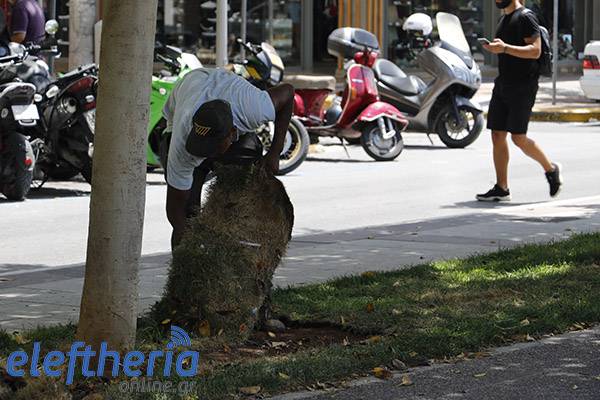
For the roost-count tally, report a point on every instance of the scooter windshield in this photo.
(453, 37)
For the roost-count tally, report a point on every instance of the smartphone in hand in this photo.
(483, 41)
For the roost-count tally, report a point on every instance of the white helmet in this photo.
(418, 22)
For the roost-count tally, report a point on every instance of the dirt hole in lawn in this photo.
(292, 340)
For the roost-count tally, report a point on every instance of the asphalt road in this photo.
(330, 192)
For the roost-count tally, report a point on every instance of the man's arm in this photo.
(19, 24)
(532, 50)
(282, 97)
(177, 201)
(18, 37)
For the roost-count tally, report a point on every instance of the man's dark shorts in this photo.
(247, 149)
(510, 107)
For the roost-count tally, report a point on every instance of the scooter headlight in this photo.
(461, 74)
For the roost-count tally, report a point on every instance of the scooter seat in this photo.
(311, 82)
(391, 75)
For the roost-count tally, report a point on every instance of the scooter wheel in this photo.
(458, 134)
(377, 147)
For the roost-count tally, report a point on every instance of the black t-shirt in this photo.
(513, 28)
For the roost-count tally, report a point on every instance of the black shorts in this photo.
(510, 107)
(247, 149)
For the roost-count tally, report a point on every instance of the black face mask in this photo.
(503, 4)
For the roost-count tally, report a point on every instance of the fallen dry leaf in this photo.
(414, 354)
(480, 375)
(243, 328)
(406, 381)
(250, 390)
(271, 334)
(525, 322)
(19, 339)
(166, 321)
(342, 320)
(283, 376)
(368, 274)
(226, 348)
(529, 338)
(382, 373)
(204, 328)
(396, 284)
(220, 332)
(277, 345)
(399, 365)
(598, 377)
(370, 308)
(396, 312)
(346, 342)
(374, 339)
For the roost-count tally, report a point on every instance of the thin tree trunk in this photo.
(109, 303)
(82, 17)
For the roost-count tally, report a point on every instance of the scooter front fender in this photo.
(382, 109)
(468, 103)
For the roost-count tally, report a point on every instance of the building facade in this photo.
(298, 29)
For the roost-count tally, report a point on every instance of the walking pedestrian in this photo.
(518, 46)
(27, 21)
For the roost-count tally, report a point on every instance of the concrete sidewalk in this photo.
(39, 295)
(562, 367)
(571, 104)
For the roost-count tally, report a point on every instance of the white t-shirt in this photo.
(250, 106)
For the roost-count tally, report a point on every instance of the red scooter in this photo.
(358, 113)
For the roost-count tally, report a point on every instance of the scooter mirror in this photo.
(51, 27)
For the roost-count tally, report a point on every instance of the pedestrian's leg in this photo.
(530, 148)
(501, 157)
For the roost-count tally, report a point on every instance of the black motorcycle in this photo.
(17, 160)
(62, 140)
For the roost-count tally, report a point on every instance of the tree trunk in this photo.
(82, 17)
(109, 302)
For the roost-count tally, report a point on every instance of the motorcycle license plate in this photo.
(25, 113)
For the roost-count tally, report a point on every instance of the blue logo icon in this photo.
(179, 338)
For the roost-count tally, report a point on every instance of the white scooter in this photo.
(443, 106)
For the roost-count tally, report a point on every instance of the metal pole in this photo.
(555, 51)
(243, 27)
(221, 60)
(307, 41)
(51, 9)
(51, 15)
(271, 6)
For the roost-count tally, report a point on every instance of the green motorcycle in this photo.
(177, 64)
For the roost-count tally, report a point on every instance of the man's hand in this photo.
(271, 161)
(496, 47)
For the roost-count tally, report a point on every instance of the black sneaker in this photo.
(495, 194)
(554, 178)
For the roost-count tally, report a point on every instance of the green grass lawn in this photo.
(434, 311)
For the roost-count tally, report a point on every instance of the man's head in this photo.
(502, 4)
(212, 130)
